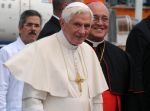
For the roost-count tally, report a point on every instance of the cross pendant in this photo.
(79, 82)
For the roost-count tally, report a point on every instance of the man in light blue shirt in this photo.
(10, 88)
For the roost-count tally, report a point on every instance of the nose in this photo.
(82, 30)
(100, 21)
(33, 27)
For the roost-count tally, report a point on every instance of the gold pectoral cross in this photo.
(79, 82)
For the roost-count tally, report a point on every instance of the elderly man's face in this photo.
(99, 27)
(30, 30)
(77, 29)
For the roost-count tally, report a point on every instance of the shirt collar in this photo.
(56, 17)
(95, 44)
(65, 42)
(20, 42)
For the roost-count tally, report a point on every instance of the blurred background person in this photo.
(146, 77)
(53, 25)
(10, 88)
(137, 41)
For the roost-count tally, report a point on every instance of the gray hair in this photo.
(75, 8)
(27, 14)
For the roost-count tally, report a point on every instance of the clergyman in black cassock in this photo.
(117, 65)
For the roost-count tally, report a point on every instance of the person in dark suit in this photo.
(137, 42)
(146, 77)
(53, 26)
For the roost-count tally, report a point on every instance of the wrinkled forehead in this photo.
(32, 19)
(82, 16)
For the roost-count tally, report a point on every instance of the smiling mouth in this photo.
(98, 29)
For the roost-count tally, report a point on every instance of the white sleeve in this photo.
(33, 99)
(4, 80)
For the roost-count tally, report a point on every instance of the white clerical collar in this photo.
(65, 42)
(95, 44)
(56, 17)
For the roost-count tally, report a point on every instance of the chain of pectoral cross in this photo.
(78, 78)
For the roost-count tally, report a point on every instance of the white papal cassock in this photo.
(50, 66)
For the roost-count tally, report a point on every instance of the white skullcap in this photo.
(73, 8)
(77, 4)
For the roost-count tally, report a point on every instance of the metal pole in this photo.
(138, 9)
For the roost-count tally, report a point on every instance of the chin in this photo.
(78, 43)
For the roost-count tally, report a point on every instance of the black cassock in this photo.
(119, 71)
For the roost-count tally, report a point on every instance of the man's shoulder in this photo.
(51, 27)
(53, 21)
(48, 40)
(116, 53)
(9, 47)
(87, 49)
(86, 45)
(113, 47)
(9, 50)
(142, 24)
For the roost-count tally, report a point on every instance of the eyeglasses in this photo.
(104, 19)
(31, 24)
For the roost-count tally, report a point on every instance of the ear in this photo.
(64, 5)
(62, 22)
(19, 28)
